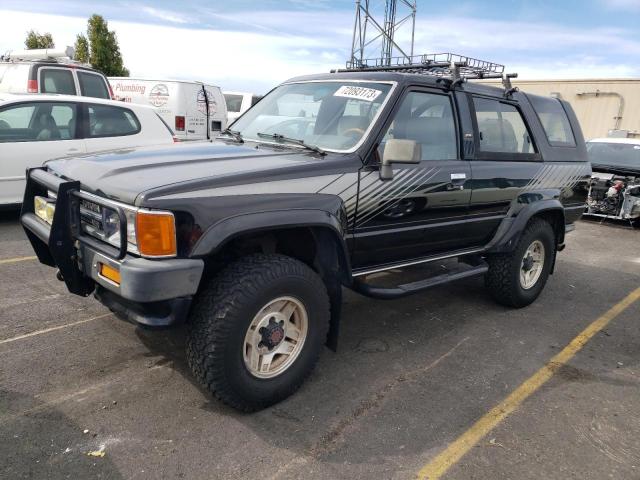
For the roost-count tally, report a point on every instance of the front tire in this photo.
(257, 329)
(517, 278)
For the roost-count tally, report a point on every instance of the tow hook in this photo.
(59, 276)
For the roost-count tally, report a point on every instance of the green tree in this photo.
(36, 40)
(104, 52)
(81, 48)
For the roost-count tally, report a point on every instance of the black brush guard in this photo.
(58, 244)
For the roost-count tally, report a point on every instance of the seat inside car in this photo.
(435, 136)
(48, 130)
(497, 135)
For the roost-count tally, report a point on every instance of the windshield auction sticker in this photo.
(358, 93)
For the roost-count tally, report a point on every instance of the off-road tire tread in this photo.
(217, 307)
(499, 280)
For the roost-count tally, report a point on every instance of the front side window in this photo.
(554, 121)
(92, 85)
(427, 119)
(57, 80)
(330, 115)
(38, 122)
(501, 127)
(108, 121)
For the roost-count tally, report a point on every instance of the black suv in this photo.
(327, 180)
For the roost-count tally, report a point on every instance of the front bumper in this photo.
(150, 292)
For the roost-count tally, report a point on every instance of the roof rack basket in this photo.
(445, 65)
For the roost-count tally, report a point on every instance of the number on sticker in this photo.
(360, 93)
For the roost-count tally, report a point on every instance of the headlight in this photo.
(151, 233)
(111, 228)
(44, 208)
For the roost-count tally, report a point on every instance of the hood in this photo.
(125, 174)
(615, 169)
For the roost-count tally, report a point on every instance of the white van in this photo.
(238, 103)
(194, 110)
(50, 71)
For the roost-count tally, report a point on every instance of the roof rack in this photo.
(64, 56)
(451, 66)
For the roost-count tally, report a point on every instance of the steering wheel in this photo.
(355, 130)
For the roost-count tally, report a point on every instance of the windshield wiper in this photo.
(282, 138)
(237, 136)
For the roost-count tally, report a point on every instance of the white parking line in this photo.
(52, 329)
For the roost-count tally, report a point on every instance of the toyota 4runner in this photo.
(327, 180)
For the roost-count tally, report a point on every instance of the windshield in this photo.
(614, 154)
(330, 115)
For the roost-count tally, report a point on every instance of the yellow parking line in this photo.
(16, 260)
(456, 450)
(52, 329)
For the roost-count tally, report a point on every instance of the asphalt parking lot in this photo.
(409, 382)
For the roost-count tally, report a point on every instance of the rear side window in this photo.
(38, 122)
(554, 121)
(92, 85)
(57, 80)
(234, 102)
(501, 127)
(108, 121)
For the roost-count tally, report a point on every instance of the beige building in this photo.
(601, 105)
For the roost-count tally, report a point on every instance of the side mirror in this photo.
(398, 151)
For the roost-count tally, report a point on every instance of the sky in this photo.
(253, 46)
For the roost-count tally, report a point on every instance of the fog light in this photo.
(44, 209)
(109, 273)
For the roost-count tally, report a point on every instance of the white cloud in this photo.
(259, 49)
(166, 15)
(232, 59)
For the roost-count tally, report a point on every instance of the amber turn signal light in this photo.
(156, 234)
(110, 273)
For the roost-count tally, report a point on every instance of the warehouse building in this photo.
(605, 107)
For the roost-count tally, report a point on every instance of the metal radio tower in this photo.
(368, 30)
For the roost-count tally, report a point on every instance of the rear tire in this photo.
(517, 278)
(241, 344)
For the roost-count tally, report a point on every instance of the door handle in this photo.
(457, 181)
(72, 151)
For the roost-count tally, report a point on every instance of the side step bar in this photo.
(389, 293)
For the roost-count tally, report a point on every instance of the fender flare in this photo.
(229, 228)
(511, 228)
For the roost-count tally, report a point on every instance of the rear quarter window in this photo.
(554, 121)
(108, 121)
(57, 80)
(93, 85)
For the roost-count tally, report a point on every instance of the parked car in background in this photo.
(238, 103)
(36, 128)
(50, 71)
(615, 186)
(194, 110)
